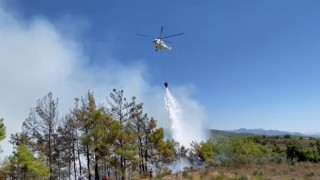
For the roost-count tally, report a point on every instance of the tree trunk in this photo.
(141, 166)
(74, 159)
(88, 162)
(146, 155)
(50, 164)
(80, 167)
(122, 168)
(69, 151)
(96, 169)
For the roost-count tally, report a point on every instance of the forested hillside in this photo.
(121, 141)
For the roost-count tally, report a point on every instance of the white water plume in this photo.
(184, 128)
(175, 116)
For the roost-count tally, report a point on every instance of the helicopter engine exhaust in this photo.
(166, 84)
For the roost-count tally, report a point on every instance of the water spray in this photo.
(184, 129)
(186, 120)
(175, 116)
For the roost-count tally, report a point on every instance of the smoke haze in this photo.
(37, 57)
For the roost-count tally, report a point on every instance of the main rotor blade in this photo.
(144, 35)
(161, 31)
(173, 35)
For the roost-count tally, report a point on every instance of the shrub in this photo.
(184, 174)
(257, 173)
(309, 174)
(163, 172)
(221, 176)
(287, 136)
(241, 177)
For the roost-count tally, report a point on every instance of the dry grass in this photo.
(272, 171)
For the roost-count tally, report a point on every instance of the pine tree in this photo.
(2, 130)
(41, 126)
(125, 147)
(24, 165)
(85, 122)
(93, 122)
(66, 152)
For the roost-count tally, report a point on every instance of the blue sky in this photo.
(253, 64)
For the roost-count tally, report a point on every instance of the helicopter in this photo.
(159, 43)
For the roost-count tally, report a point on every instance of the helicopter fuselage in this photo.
(160, 45)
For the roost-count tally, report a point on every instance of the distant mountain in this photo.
(266, 132)
(221, 134)
(218, 134)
